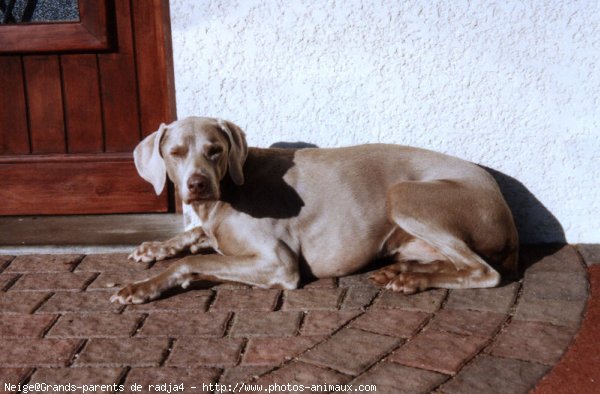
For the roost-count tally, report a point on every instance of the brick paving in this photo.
(58, 327)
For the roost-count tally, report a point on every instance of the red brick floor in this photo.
(58, 327)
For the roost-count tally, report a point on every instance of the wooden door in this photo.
(75, 99)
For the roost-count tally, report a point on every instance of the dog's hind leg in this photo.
(441, 217)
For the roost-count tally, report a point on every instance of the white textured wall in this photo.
(513, 85)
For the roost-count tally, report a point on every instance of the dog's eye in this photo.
(214, 152)
(178, 151)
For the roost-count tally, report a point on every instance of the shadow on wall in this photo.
(535, 223)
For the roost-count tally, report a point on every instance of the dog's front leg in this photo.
(253, 270)
(192, 240)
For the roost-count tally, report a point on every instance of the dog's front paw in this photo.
(135, 293)
(153, 251)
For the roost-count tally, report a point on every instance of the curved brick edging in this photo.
(545, 317)
(332, 331)
(579, 369)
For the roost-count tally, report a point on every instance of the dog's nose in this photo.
(197, 184)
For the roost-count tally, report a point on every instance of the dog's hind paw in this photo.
(402, 282)
(409, 283)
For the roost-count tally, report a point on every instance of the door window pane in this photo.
(38, 11)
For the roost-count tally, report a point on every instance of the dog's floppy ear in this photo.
(149, 162)
(238, 150)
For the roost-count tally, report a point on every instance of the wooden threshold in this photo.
(84, 233)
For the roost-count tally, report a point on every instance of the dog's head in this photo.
(196, 153)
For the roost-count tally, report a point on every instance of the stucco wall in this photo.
(513, 85)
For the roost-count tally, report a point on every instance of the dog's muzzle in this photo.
(199, 188)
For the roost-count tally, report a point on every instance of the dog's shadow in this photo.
(540, 233)
(535, 223)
